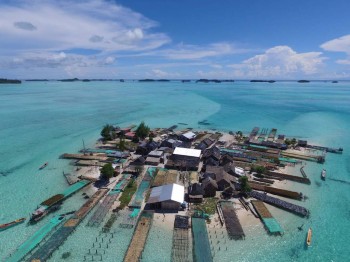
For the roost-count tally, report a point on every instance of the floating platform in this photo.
(139, 238)
(201, 245)
(269, 221)
(35, 239)
(298, 210)
(233, 226)
(44, 252)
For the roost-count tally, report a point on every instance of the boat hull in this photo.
(4, 227)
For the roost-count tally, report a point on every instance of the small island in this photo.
(9, 81)
(208, 81)
(262, 81)
(303, 81)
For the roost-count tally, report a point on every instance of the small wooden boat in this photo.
(43, 166)
(11, 224)
(323, 174)
(309, 236)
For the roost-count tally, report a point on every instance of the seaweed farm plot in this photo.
(138, 241)
(233, 226)
(108, 202)
(201, 245)
(139, 196)
(35, 239)
(181, 244)
(45, 251)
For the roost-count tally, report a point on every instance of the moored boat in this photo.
(11, 224)
(43, 166)
(323, 174)
(309, 236)
(45, 207)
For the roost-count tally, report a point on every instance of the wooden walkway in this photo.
(139, 238)
(299, 210)
(276, 191)
(269, 221)
(278, 175)
(98, 157)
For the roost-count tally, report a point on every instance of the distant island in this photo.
(69, 80)
(36, 80)
(9, 81)
(303, 81)
(334, 82)
(262, 81)
(208, 81)
(154, 80)
(185, 81)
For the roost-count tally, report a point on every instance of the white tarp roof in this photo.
(239, 171)
(187, 152)
(172, 192)
(189, 135)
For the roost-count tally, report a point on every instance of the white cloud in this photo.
(341, 44)
(196, 52)
(280, 61)
(157, 73)
(61, 25)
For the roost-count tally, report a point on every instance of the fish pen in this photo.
(233, 226)
(298, 210)
(180, 247)
(35, 239)
(139, 238)
(45, 251)
(75, 187)
(201, 245)
(269, 221)
(317, 158)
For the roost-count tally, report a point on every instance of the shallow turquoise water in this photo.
(40, 121)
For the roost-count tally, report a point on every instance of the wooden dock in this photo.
(233, 226)
(298, 179)
(276, 191)
(298, 210)
(303, 172)
(139, 238)
(98, 157)
(269, 221)
(317, 158)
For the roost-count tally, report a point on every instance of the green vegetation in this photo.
(128, 192)
(208, 205)
(289, 142)
(108, 132)
(107, 171)
(258, 169)
(142, 130)
(121, 145)
(245, 187)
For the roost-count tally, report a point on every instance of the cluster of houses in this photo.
(198, 154)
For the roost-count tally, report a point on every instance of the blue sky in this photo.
(231, 39)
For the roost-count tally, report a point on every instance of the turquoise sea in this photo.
(41, 120)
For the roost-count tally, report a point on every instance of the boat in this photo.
(43, 166)
(11, 224)
(309, 235)
(49, 205)
(323, 174)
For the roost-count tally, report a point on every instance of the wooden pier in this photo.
(316, 158)
(98, 157)
(233, 226)
(269, 221)
(139, 238)
(298, 210)
(298, 179)
(303, 172)
(327, 149)
(276, 191)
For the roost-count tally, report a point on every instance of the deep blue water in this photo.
(41, 120)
